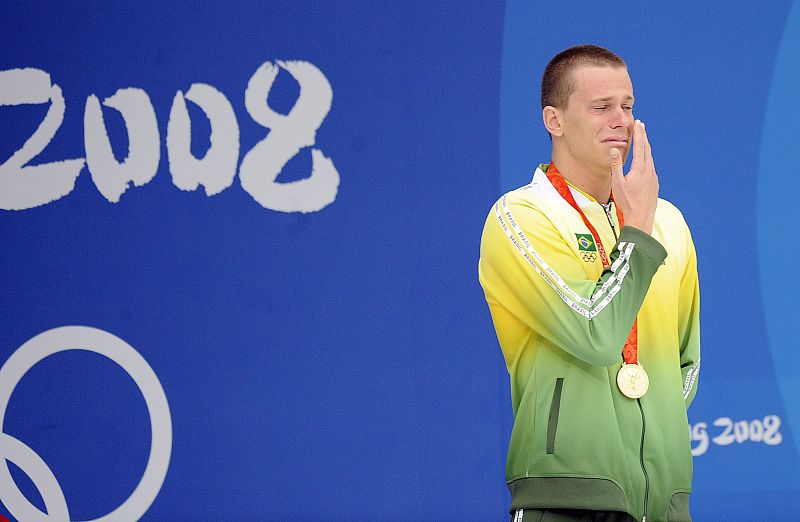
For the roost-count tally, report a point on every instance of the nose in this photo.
(621, 118)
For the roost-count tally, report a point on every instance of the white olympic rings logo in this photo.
(11, 449)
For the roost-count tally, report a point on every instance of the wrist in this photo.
(643, 223)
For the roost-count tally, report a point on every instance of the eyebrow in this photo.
(609, 98)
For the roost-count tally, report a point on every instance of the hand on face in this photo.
(637, 193)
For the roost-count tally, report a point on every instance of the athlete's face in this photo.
(598, 115)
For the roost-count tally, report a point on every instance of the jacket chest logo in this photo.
(586, 247)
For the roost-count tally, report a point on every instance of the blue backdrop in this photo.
(239, 249)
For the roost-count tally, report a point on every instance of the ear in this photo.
(551, 117)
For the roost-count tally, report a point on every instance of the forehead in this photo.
(593, 82)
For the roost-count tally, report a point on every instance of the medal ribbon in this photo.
(630, 351)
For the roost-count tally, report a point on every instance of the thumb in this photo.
(616, 163)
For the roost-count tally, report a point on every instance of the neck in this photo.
(595, 182)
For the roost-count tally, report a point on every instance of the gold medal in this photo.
(632, 380)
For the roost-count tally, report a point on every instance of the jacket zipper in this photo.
(607, 208)
(641, 461)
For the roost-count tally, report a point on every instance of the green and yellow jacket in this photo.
(562, 320)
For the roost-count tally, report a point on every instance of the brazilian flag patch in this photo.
(586, 243)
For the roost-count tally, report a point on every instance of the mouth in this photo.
(616, 141)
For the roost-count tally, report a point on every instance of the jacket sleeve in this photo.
(528, 269)
(689, 323)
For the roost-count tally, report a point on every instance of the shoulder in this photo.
(671, 229)
(522, 217)
(668, 214)
(539, 197)
(524, 210)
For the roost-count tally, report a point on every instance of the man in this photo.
(591, 281)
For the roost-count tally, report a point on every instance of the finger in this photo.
(650, 168)
(648, 153)
(616, 163)
(638, 160)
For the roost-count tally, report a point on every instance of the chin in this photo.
(624, 151)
